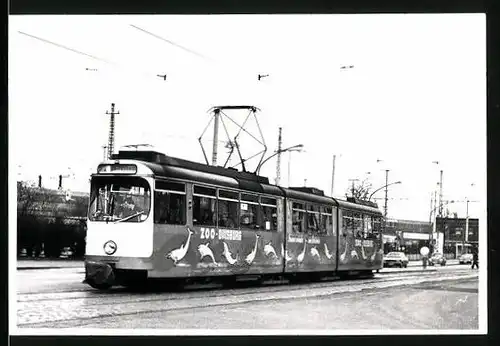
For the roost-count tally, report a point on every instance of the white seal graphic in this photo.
(228, 255)
(110, 247)
(178, 254)
(327, 252)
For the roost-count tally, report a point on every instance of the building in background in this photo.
(456, 240)
(407, 236)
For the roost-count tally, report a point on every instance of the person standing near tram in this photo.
(475, 258)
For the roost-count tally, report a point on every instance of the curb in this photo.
(407, 271)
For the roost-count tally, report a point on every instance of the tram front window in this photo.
(119, 199)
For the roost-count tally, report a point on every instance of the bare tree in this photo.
(360, 191)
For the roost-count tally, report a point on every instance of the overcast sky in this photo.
(416, 94)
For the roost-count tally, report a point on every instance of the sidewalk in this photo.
(25, 264)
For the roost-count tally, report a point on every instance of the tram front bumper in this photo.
(99, 273)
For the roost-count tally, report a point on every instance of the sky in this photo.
(416, 94)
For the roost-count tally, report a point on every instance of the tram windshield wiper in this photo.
(130, 216)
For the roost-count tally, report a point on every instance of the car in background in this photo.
(466, 258)
(437, 258)
(396, 259)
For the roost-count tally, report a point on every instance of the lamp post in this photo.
(290, 160)
(380, 188)
(292, 148)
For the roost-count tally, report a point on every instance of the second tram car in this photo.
(155, 216)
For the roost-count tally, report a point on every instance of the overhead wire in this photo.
(89, 55)
(172, 43)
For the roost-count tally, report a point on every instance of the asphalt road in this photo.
(440, 298)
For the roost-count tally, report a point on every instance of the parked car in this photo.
(396, 259)
(466, 258)
(437, 258)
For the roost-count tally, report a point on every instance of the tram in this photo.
(155, 216)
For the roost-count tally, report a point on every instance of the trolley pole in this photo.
(111, 138)
(278, 161)
(104, 147)
(216, 136)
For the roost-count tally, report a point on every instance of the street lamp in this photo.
(298, 146)
(290, 159)
(380, 188)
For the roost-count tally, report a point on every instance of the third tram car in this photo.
(155, 216)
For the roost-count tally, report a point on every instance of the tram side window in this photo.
(249, 209)
(313, 219)
(204, 206)
(228, 209)
(376, 226)
(298, 217)
(347, 222)
(326, 220)
(269, 219)
(170, 203)
(367, 227)
(357, 225)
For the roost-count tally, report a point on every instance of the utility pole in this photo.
(466, 236)
(352, 186)
(216, 136)
(333, 174)
(278, 161)
(430, 213)
(441, 193)
(386, 183)
(111, 138)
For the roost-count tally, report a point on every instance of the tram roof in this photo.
(168, 166)
(358, 207)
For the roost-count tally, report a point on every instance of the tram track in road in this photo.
(81, 310)
(158, 288)
(161, 288)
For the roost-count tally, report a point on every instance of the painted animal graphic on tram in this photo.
(300, 257)
(327, 252)
(343, 258)
(227, 254)
(177, 255)
(269, 250)
(205, 251)
(363, 255)
(251, 256)
(354, 254)
(315, 253)
(285, 254)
